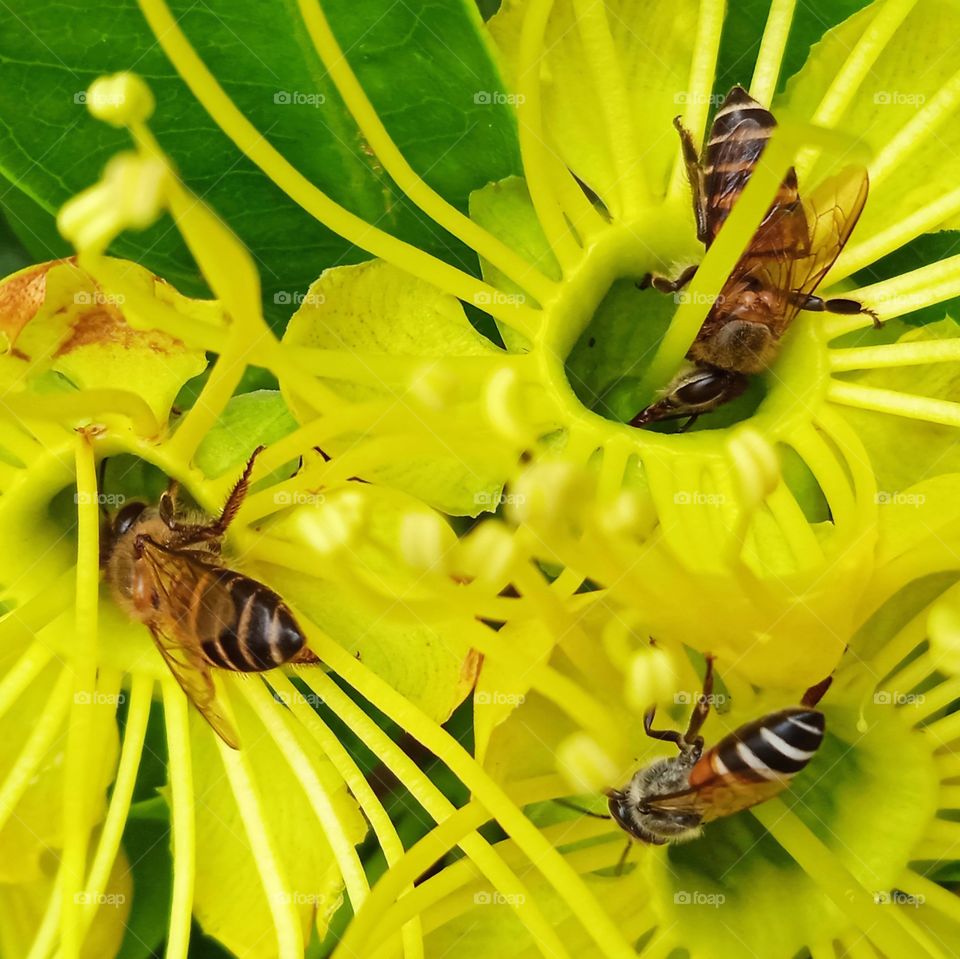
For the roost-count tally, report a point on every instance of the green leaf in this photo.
(377, 311)
(146, 844)
(429, 662)
(422, 65)
(247, 421)
(58, 319)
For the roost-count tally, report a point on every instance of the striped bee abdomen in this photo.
(774, 747)
(243, 625)
(739, 134)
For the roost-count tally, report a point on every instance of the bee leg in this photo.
(815, 693)
(693, 419)
(840, 305)
(623, 859)
(665, 735)
(237, 495)
(691, 160)
(663, 285)
(702, 708)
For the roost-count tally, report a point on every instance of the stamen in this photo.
(286, 922)
(352, 228)
(619, 112)
(898, 404)
(523, 273)
(703, 69)
(339, 834)
(766, 73)
(180, 772)
(537, 163)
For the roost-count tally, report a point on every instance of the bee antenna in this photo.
(581, 809)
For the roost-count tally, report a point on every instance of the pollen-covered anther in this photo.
(505, 408)
(628, 514)
(486, 554)
(334, 525)
(651, 677)
(434, 385)
(943, 630)
(424, 541)
(131, 195)
(756, 463)
(585, 764)
(122, 99)
(551, 494)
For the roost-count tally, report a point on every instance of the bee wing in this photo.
(172, 573)
(719, 795)
(194, 677)
(796, 244)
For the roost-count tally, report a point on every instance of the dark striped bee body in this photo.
(790, 253)
(166, 571)
(670, 799)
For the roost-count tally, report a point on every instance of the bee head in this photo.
(113, 527)
(695, 391)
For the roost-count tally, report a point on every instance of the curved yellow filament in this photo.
(180, 775)
(703, 69)
(535, 149)
(766, 73)
(352, 228)
(524, 274)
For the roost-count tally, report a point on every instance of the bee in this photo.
(165, 570)
(670, 799)
(792, 250)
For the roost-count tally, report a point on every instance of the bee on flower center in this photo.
(165, 570)
(670, 799)
(793, 249)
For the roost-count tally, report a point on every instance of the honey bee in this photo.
(165, 570)
(792, 250)
(670, 799)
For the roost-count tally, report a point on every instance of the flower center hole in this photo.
(606, 366)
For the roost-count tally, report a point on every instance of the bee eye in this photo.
(127, 517)
(706, 387)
